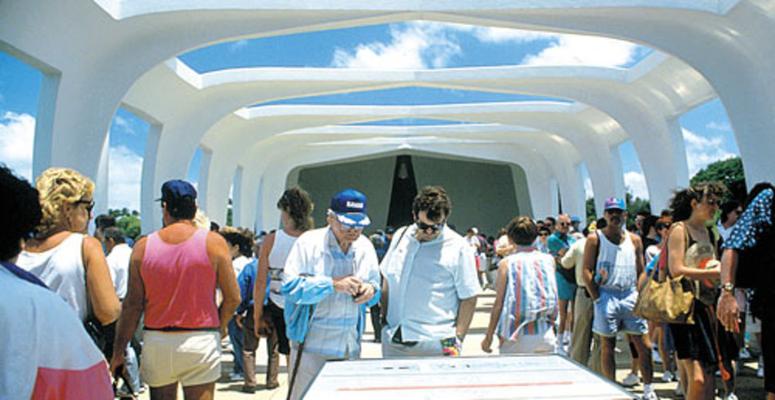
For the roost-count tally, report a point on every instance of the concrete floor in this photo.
(749, 387)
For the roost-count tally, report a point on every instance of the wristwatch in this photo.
(728, 287)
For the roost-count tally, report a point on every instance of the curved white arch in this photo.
(535, 166)
(562, 168)
(738, 66)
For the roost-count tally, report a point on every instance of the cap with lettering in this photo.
(349, 205)
(614, 203)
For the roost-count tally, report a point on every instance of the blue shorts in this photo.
(565, 290)
(613, 313)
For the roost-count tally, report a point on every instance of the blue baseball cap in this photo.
(349, 205)
(575, 219)
(614, 203)
(176, 190)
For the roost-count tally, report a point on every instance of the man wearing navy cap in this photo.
(331, 276)
(182, 266)
(613, 262)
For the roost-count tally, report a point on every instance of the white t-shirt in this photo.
(427, 281)
(239, 264)
(118, 263)
(45, 348)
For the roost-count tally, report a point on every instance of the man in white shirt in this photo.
(118, 253)
(430, 283)
(583, 309)
(331, 276)
(118, 263)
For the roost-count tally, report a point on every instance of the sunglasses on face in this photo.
(712, 202)
(543, 234)
(426, 227)
(564, 224)
(349, 227)
(89, 204)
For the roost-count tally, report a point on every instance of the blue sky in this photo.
(413, 45)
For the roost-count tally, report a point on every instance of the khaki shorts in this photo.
(191, 358)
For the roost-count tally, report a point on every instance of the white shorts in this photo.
(530, 344)
(189, 357)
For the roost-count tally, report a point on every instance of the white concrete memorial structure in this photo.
(122, 52)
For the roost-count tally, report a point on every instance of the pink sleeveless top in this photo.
(179, 284)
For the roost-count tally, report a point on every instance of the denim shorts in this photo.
(613, 313)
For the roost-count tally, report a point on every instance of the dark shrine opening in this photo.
(403, 193)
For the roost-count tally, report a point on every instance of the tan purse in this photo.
(666, 299)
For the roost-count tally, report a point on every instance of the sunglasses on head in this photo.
(89, 204)
(425, 227)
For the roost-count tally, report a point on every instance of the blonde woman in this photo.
(68, 261)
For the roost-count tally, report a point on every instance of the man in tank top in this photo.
(613, 261)
(173, 275)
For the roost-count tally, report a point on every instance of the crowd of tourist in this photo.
(153, 311)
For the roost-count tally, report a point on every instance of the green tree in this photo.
(591, 213)
(729, 172)
(128, 221)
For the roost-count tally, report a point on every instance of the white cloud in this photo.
(701, 151)
(17, 135)
(500, 35)
(585, 50)
(123, 124)
(588, 192)
(636, 184)
(238, 45)
(414, 45)
(124, 177)
(719, 126)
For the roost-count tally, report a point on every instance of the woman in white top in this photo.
(296, 215)
(67, 260)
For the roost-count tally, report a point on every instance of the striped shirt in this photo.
(530, 301)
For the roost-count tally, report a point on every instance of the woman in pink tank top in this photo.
(173, 276)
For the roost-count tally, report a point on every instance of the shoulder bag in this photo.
(665, 299)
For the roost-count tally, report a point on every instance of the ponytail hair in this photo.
(298, 204)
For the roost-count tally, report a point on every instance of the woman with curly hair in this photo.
(691, 247)
(296, 215)
(60, 253)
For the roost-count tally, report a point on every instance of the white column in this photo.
(203, 189)
(150, 210)
(102, 181)
(236, 199)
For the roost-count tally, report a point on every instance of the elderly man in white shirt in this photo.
(331, 276)
(430, 285)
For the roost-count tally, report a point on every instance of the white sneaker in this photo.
(731, 396)
(668, 376)
(760, 371)
(678, 391)
(745, 354)
(652, 395)
(630, 380)
(656, 357)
